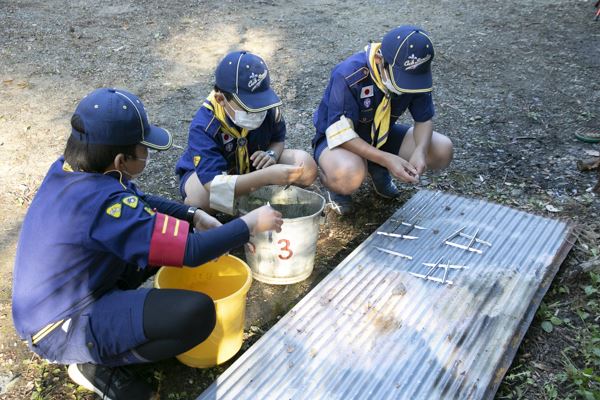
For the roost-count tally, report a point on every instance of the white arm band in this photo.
(340, 132)
(222, 193)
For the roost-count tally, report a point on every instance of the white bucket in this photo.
(288, 256)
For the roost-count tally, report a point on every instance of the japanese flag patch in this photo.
(367, 91)
(226, 137)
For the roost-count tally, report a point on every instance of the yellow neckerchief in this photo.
(381, 124)
(243, 160)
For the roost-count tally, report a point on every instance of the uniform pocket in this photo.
(71, 342)
(82, 345)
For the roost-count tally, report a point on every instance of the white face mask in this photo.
(247, 120)
(132, 177)
(387, 82)
(146, 162)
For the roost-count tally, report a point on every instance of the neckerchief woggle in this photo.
(241, 150)
(381, 124)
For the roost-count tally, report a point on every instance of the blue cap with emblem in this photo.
(246, 77)
(409, 51)
(117, 117)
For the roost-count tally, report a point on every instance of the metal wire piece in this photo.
(472, 240)
(413, 226)
(394, 253)
(431, 278)
(439, 264)
(449, 266)
(397, 235)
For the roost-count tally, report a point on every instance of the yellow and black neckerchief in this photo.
(381, 124)
(241, 150)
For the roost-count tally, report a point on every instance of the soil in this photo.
(514, 81)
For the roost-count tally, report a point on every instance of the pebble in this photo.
(5, 379)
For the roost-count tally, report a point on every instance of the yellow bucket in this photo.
(227, 281)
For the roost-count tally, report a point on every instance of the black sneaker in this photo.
(111, 383)
(382, 182)
(340, 203)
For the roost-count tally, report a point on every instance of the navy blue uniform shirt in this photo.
(79, 233)
(353, 93)
(83, 231)
(211, 151)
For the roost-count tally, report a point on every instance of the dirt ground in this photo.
(514, 80)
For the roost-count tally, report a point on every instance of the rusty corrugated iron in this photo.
(371, 330)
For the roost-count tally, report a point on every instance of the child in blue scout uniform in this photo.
(236, 140)
(355, 121)
(91, 237)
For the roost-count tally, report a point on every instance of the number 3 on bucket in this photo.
(285, 252)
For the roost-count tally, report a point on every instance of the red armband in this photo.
(169, 237)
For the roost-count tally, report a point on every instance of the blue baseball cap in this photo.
(117, 117)
(246, 77)
(409, 51)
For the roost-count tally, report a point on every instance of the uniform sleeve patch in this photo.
(114, 210)
(131, 201)
(149, 210)
(366, 92)
(67, 167)
(197, 160)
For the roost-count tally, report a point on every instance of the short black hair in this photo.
(91, 157)
(228, 96)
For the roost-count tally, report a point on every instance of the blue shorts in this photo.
(182, 182)
(105, 332)
(392, 145)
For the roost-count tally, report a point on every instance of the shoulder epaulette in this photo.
(212, 124)
(357, 76)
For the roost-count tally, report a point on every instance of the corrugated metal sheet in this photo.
(371, 330)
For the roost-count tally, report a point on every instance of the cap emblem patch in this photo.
(413, 61)
(256, 79)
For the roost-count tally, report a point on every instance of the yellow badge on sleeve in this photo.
(67, 167)
(196, 160)
(114, 210)
(131, 201)
(149, 210)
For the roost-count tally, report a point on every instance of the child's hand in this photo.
(260, 159)
(401, 169)
(263, 219)
(417, 160)
(204, 221)
(283, 174)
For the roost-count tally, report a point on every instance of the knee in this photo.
(199, 316)
(346, 177)
(198, 201)
(443, 154)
